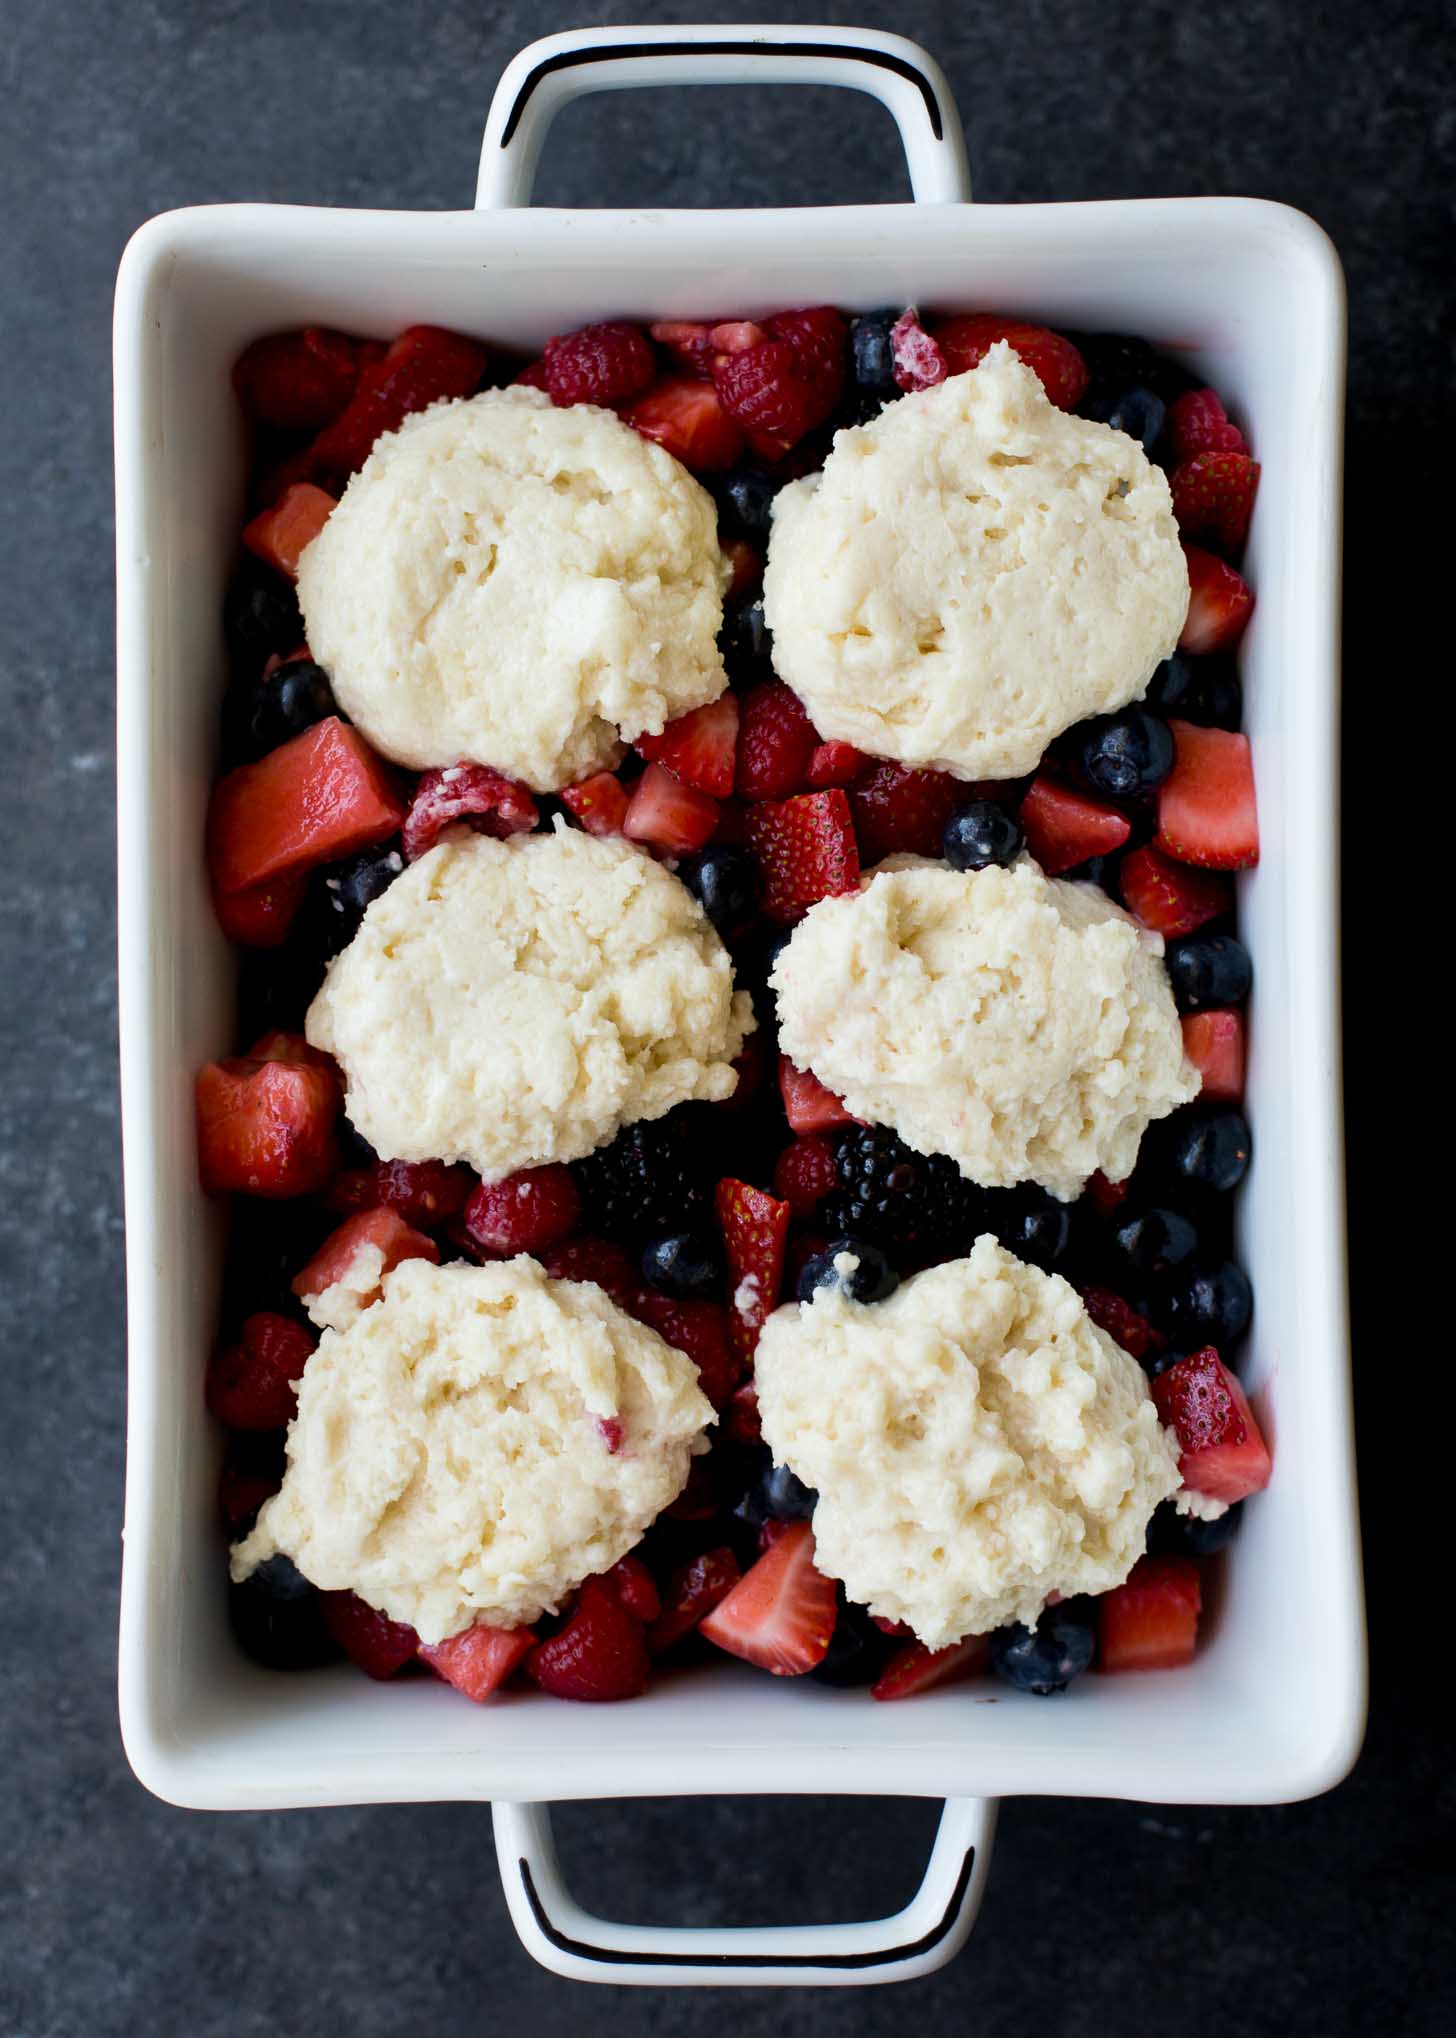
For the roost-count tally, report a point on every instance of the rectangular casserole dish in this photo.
(1249, 295)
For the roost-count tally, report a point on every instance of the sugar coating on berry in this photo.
(513, 1002)
(971, 573)
(519, 586)
(976, 1443)
(448, 1461)
(1021, 1024)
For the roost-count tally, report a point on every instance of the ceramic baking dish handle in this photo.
(930, 1930)
(559, 68)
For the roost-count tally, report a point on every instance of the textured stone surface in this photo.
(118, 1914)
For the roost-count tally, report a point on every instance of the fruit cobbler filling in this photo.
(744, 1225)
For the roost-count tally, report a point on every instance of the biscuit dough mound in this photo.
(976, 1442)
(971, 573)
(510, 584)
(508, 1003)
(477, 1443)
(1021, 1024)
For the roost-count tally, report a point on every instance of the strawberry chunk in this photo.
(699, 748)
(805, 849)
(916, 1668)
(266, 1128)
(423, 366)
(902, 812)
(805, 1173)
(1122, 1322)
(690, 343)
(316, 798)
(253, 1384)
(479, 1659)
(483, 798)
(701, 1329)
(1224, 1454)
(595, 1259)
(1214, 1042)
(1105, 1196)
(297, 381)
(636, 1587)
(276, 1045)
(1063, 828)
(691, 1593)
(382, 1230)
(261, 916)
(603, 363)
(280, 535)
(1207, 813)
(1150, 1622)
(742, 1423)
(1170, 897)
(919, 362)
(780, 1614)
(528, 1211)
(378, 1645)
(1197, 423)
(1220, 603)
(687, 419)
(755, 1229)
(775, 742)
(425, 1193)
(599, 1654)
(599, 803)
(1213, 498)
(668, 815)
(808, 1105)
(782, 386)
(965, 342)
(834, 764)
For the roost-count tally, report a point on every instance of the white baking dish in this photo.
(1250, 294)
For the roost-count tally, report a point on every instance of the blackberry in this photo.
(915, 1207)
(648, 1181)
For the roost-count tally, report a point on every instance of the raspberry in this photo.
(528, 1211)
(776, 740)
(636, 1587)
(603, 363)
(594, 1259)
(485, 799)
(805, 1173)
(253, 1384)
(782, 387)
(380, 1646)
(919, 363)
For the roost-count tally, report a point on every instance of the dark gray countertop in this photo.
(120, 1915)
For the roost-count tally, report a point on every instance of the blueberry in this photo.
(1097, 870)
(874, 355)
(1045, 1658)
(344, 893)
(1155, 1242)
(1173, 688)
(1206, 1146)
(747, 639)
(980, 834)
(260, 616)
(687, 1265)
(1031, 1224)
(776, 1495)
(1129, 755)
(1141, 414)
(277, 1617)
(1121, 361)
(1208, 969)
(1210, 1306)
(725, 883)
(872, 1280)
(746, 500)
(1171, 1534)
(1203, 690)
(857, 1648)
(1220, 702)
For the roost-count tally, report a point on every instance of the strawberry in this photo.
(780, 387)
(378, 1645)
(425, 1193)
(278, 1045)
(254, 1383)
(598, 802)
(1150, 1622)
(699, 1499)
(1213, 498)
(692, 1592)
(1122, 1322)
(1105, 1196)
(805, 849)
(603, 363)
(423, 366)
(483, 798)
(687, 418)
(751, 1066)
(690, 343)
(736, 336)
(1197, 423)
(1214, 1042)
(266, 1128)
(805, 1173)
(1220, 603)
(594, 1259)
(635, 1587)
(701, 1329)
(280, 535)
(479, 1659)
(808, 1106)
(667, 814)
(780, 1614)
(898, 811)
(919, 363)
(1170, 897)
(297, 381)
(776, 739)
(820, 340)
(1224, 1454)
(244, 1484)
(600, 1652)
(966, 341)
(528, 1211)
(742, 1421)
(316, 798)
(916, 1668)
(382, 1230)
(746, 562)
(261, 916)
(1207, 813)
(834, 764)
(699, 748)
(1063, 828)
(899, 1630)
(755, 1226)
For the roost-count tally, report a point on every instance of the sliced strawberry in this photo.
(1122, 1322)
(781, 387)
(297, 381)
(805, 849)
(834, 764)
(253, 1384)
(755, 1227)
(776, 740)
(965, 341)
(280, 535)
(1213, 499)
(687, 418)
(1224, 1454)
(780, 1614)
(1220, 603)
(808, 1105)
(919, 363)
(261, 916)
(483, 798)
(595, 1259)
(1105, 1196)
(742, 1423)
(916, 1668)
(701, 1329)
(1207, 813)
(423, 1192)
(423, 366)
(1063, 828)
(1197, 423)
(636, 1587)
(600, 1652)
(1214, 1043)
(527, 1212)
(478, 1660)
(378, 1645)
(316, 798)
(1150, 1622)
(668, 815)
(690, 343)
(691, 1593)
(383, 1230)
(266, 1128)
(1170, 897)
(699, 748)
(599, 803)
(805, 1173)
(902, 812)
(603, 363)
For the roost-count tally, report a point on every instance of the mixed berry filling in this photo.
(701, 1222)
